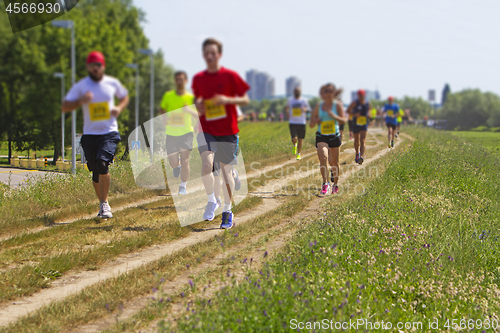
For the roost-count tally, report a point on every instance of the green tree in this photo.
(471, 108)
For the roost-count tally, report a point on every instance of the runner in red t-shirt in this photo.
(217, 92)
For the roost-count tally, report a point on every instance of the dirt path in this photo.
(142, 202)
(73, 283)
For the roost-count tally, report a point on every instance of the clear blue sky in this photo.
(401, 47)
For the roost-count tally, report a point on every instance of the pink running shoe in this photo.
(335, 189)
(325, 188)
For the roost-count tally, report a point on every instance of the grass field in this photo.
(28, 262)
(487, 140)
(83, 245)
(421, 245)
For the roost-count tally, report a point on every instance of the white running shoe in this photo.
(106, 211)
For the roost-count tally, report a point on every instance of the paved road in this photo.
(18, 176)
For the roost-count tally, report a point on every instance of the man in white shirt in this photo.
(96, 95)
(297, 108)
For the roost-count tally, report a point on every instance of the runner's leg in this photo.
(104, 182)
(228, 179)
(322, 152)
(362, 143)
(334, 163)
(185, 169)
(299, 146)
(207, 162)
(356, 143)
(173, 160)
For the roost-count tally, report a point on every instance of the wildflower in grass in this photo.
(187, 266)
(265, 254)
(182, 295)
(236, 235)
(191, 283)
(154, 290)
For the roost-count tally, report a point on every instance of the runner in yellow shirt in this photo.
(180, 132)
(399, 119)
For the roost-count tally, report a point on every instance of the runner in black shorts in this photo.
(96, 95)
(359, 109)
(327, 114)
(296, 109)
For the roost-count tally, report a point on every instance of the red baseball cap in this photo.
(390, 98)
(361, 92)
(96, 57)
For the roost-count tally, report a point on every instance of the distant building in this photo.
(261, 84)
(291, 83)
(370, 95)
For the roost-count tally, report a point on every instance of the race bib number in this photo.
(99, 111)
(296, 112)
(390, 113)
(361, 121)
(328, 127)
(350, 117)
(176, 120)
(214, 112)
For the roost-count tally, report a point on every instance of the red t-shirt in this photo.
(222, 120)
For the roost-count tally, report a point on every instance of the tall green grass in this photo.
(488, 140)
(421, 244)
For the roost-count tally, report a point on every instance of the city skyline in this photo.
(262, 84)
(400, 48)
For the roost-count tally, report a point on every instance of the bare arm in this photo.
(342, 117)
(240, 101)
(115, 112)
(314, 117)
(68, 106)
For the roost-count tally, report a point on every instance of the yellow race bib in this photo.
(99, 111)
(361, 121)
(176, 119)
(328, 127)
(390, 113)
(214, 112)
(296, 112)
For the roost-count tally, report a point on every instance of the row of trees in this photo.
(30, 96)
(465, 110)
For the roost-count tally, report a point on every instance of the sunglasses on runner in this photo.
(98, 64)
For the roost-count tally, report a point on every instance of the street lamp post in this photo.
(136, 67)
(71, 25)
(61, 76)
(152, 96)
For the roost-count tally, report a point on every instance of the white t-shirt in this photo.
(296, 113)
(96, 114)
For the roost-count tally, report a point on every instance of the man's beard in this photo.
(95, 77)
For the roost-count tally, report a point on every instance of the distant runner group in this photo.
(212, 111)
